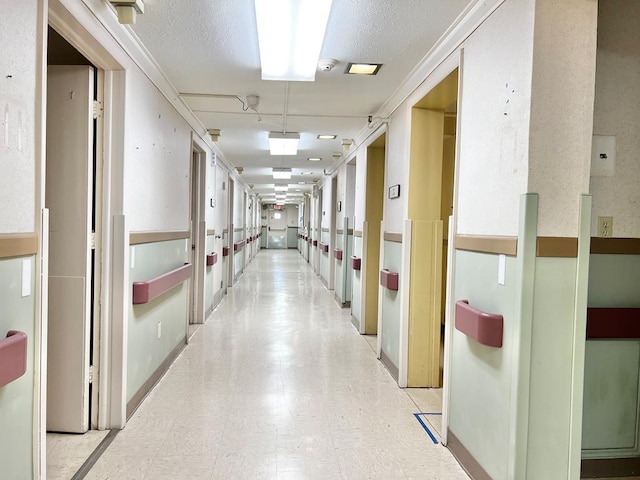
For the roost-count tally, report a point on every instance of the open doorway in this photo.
(430, 206)
(73, 198)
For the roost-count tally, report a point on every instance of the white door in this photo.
(69, 198)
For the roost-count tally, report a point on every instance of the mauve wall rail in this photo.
(355, 262)
(389, 280)
(337, 253)
(485, 328)
(613, 323)
(144, 292)
(13, 357)
(212, 259)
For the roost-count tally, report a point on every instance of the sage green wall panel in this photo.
(391, 303)
(611, 398)
(209, 288)
(325, 258)
(16, 398)
(339, 276)
(481, 376)
(145, 351)
(612, 367)
(614, 281)
(551, 368)
(356, 279)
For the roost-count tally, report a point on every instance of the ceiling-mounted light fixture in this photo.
(281, 173)
(283, 143)
(363, 68)
(314, 159)
(281, 188)
(290, 36)
(327, 137)
(128, 10)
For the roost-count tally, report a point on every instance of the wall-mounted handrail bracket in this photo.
(389, 280)
(485, 328)
(13, 357)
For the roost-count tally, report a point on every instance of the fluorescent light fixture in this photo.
(281, 188)
(314, 159)
(281, 173)
(290, 36)
(327, 137)
(363, 68)
(283, 143)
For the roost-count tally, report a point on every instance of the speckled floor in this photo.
(278, 385)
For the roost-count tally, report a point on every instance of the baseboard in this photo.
(610, 467)
(465, 459)
(386, 361)
(355, 321)
(137, 399)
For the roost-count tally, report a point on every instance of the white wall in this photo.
(360, 188)
(157, 159)
(494, 121)
(17, 116)
(562, 111)
(238, 205)
(616, 113)
(397, 168)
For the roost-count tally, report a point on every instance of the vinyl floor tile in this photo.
(278, 384)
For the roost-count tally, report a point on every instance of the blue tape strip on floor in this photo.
(424, 425)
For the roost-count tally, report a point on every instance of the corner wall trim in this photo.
(613, 246)
(357, 233)
(18, 244)
(559, 247)
(487, 244)
(138, 238)
(465, 459)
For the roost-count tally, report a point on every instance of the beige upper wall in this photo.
(494, 121)
(616, 113)
(18, 30)
(157, 159)
(562, 111)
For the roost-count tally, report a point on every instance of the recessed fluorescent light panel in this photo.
(363, 68)
(281, 173)
(283, 143)
(327, 137)
(281, 188)
(314, 159)
(290, 36)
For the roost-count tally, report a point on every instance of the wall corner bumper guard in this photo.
(485, 328)
(13, 357)
(389, 280)
(212, 259)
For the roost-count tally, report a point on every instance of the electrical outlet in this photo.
(605, 226)
(159, 330)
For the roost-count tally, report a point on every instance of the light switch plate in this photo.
(502, 268)
(26, 277)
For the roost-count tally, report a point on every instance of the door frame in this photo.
(112, 293)
(198, 232)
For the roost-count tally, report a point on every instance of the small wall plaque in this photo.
(394, 191)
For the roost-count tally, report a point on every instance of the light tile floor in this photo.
(277, 385)
(67, 452)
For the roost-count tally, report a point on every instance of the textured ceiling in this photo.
(211, 47)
